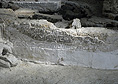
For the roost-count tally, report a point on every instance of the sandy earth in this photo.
(30, 73)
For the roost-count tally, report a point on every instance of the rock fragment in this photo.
(76, 24)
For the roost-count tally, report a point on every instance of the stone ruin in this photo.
(61, 33)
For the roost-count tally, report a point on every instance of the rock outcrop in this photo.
(110, 9)
(41, 41)
(71, 10)
(99, 22)
(46, 43)
(7, 17)
(7, 4)
(41, 6)
(48, 17)
(7, 59)
(24, 13)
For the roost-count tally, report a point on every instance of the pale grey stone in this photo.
(76, 24)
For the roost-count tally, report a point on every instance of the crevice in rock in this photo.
(4, 51)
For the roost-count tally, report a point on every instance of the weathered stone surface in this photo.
(110, 9)
(25, 13)
(99, 22)
(7, 59)
(4, 64)
(111, 16)
(62, 24)
(71, 10)
(76, 24)
(7, 16)
(95, 5)
(43, 30)
(7, 4)
(50, 18)
(43, 42)
(3, 4)
(110, 6)
(41, 6)
(2, 26)
(13, 6)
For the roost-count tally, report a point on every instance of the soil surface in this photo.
(30, 73)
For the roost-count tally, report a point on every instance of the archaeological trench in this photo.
(58, 41)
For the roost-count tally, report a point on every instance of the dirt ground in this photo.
(30, 73)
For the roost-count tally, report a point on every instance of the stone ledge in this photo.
(42, 6)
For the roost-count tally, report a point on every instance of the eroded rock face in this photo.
(41, 6)
(7, 59)
(7, 17)
(110, 9)
(110, 6)
(71, 10)
(7, 4)
(25, 13)
(45, 43)
(42, 41)
(43, 30)
(48, 17)
(99, 22)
